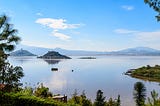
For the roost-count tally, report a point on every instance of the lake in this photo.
(104, 73)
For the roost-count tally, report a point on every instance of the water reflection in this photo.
(52, 61)
(21, 59)
(58, 80)
(103, 73)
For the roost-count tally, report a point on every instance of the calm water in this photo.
(105, 73)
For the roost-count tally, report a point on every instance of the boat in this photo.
(54, 69)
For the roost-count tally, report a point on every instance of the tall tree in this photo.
(139, 93)
(8, 39)
(100, 99)
(155, 4)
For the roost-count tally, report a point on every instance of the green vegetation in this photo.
(42, 91)
(100, 99)
(28, 97)
(18, 99)
(154, 101)
(139, 93)
(81, 100)
(146, 73)
(9, 76)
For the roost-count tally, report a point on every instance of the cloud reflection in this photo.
(58, 80)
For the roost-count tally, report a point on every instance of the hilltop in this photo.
(22, 52)
(54, 55)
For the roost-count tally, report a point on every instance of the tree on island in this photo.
(155, 4)
(139, 93)
(9, 75)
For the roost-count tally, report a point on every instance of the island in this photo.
(87, 58)
(53, 55)
(147, 73)
(22, 52)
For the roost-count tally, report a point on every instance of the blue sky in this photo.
(99, 25)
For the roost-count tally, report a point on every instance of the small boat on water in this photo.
(54, 69)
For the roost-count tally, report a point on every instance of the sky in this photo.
(99, 25)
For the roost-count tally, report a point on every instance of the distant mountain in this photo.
(54, 55)
(77, 52)
(22, 52)
(138, 51)
(41, 51)
(33, 49)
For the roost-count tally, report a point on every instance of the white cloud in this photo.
(39, 14)
(146, 36)
(56, 25)
(125, 31)
(127, 7)
(60, 35)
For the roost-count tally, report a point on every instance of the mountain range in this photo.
(137, 51)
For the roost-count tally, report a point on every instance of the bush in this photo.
(42, 91)
(17, 99)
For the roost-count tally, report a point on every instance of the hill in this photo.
(54, 55)
(33, 49)
(22, 52)
(137, 51)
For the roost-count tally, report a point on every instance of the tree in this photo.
(118, 101)
(100, 99)
(85, 101)
(42, 91)
(155, 4)
(154, 100)
(139, 93)
(114, 102)
(9, 75)
(7, 35)
(12, 76)
(81, 100)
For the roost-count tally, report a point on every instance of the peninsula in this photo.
(150, 73)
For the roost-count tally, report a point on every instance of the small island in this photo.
(147, 73)
(87, 58)
(54, 55)
(22, 52)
